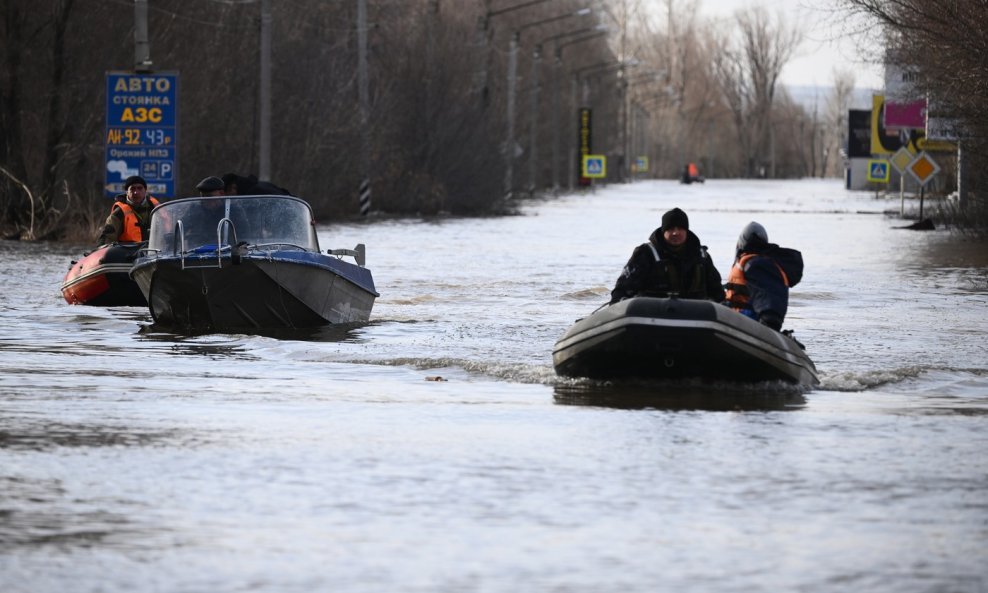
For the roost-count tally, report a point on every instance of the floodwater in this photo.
(132, 459)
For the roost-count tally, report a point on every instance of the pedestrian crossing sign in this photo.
(878, 170)
(594, 165)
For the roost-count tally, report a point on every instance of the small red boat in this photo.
(102, 278)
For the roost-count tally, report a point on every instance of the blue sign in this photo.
(878, 171)
(142, 131)
(594, 166)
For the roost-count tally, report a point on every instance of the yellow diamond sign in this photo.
(923, 168)
(901, 159)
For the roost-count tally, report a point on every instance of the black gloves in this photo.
(770, 319)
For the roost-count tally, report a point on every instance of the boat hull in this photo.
(300, 290)
(101, 278)
(679, 338)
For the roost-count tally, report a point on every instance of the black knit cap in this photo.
(675, 218)
(135, 180)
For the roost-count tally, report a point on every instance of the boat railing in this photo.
(219, 247)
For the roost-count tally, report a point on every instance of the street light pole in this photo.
(363, 92)
(577, 75)
(533, 126)
(142, 47)
(601, 30)
(509, 144)
(264, 160)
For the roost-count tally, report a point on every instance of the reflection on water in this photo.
(339, 332)
(37, 436)
(681, 395)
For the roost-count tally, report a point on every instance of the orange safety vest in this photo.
(737, 287)
(132, 230)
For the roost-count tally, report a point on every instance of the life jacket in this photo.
(134, 228)
(690, 287)
(737, 294)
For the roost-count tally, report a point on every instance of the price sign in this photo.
(141, 131)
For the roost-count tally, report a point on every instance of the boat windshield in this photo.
(256, 220)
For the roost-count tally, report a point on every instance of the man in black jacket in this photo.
(672, 263)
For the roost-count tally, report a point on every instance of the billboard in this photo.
(859, 133)
(884, 141)
(141, 135)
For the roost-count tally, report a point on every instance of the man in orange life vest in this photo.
(671, 263)
(759, 281)
(130, 215)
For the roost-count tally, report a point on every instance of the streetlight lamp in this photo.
(485, 26)
(509, 144)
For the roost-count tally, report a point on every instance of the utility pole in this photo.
(509, 143)
(142, 47)
(264, 140)
(364, 93)
(533, 127)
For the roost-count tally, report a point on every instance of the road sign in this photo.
(595, 166)
(923, 168)
(141, 131)
(901, 159)
(878, 170)
(641, 164)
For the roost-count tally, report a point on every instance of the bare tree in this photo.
(945, 44)
(767, 46)
(835, 119)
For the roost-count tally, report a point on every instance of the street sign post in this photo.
(141, 131)
(900, 160)
(923, 168)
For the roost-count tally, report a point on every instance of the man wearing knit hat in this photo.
(130, 215)
(671, 263)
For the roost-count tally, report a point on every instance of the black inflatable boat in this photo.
(678, 338)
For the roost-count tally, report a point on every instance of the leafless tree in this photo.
(946, 44)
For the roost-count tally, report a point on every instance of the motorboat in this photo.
(102, 278)
(672, 338)
(248, 263)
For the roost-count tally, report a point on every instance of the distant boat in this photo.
(248, 262)
(101, 278)
(670, 338)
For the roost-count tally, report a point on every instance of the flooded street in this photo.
(132, 459)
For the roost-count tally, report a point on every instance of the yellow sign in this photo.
(936, 145)
(594, 166)
(901, 159)
(923, 168)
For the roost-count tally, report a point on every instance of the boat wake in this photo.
(911, 378)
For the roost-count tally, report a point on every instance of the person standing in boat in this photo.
(759, 281)
(130, 215)
(671, 263)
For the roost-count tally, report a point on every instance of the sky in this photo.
(827, 44)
